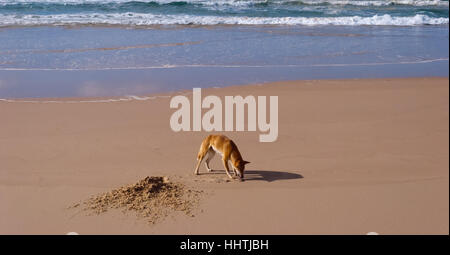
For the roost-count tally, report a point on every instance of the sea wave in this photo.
(106, 100)
(240, 3)
(144, 19)
(379, 3)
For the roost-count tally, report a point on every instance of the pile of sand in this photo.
(152, 198)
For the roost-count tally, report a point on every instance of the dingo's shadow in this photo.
(264, 175)
(270, 176)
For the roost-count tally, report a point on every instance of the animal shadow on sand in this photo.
(265, 175)
(270, 176)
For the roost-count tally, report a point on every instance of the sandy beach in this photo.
(352, 157)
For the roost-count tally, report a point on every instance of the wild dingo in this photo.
(229, 151)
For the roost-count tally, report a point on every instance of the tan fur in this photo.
(227, 148)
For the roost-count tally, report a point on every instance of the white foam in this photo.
(200, 2)
(106, 100)
(139, 19)
(240, 3)
(419, 61)
(380, 3)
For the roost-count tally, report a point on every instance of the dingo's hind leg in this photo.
(199, 160)
(209, 155)
(204, 147)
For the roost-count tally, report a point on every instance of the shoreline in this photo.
(423, 61)
(115, 62)
(352, 157)
(181, 91)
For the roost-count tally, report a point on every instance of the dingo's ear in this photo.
(246, 162)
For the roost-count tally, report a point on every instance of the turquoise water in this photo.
(115, 61)
(56, 48)
(208, 12)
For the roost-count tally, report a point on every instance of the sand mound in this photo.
(152, 198)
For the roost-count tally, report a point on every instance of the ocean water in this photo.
(112, 61)
(230, 12)
(98, 48)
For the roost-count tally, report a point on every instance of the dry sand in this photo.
(352, 157)
(152, 198)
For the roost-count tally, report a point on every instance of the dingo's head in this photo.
(241, 168)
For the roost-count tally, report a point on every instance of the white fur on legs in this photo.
(234, 171)
(209, 155)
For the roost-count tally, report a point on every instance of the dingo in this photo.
(229, 151)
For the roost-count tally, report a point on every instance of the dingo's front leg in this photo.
(225, 164)
(234, 171)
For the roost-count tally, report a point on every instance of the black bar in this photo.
(221, 244)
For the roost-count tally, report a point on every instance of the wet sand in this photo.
(352, 157)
